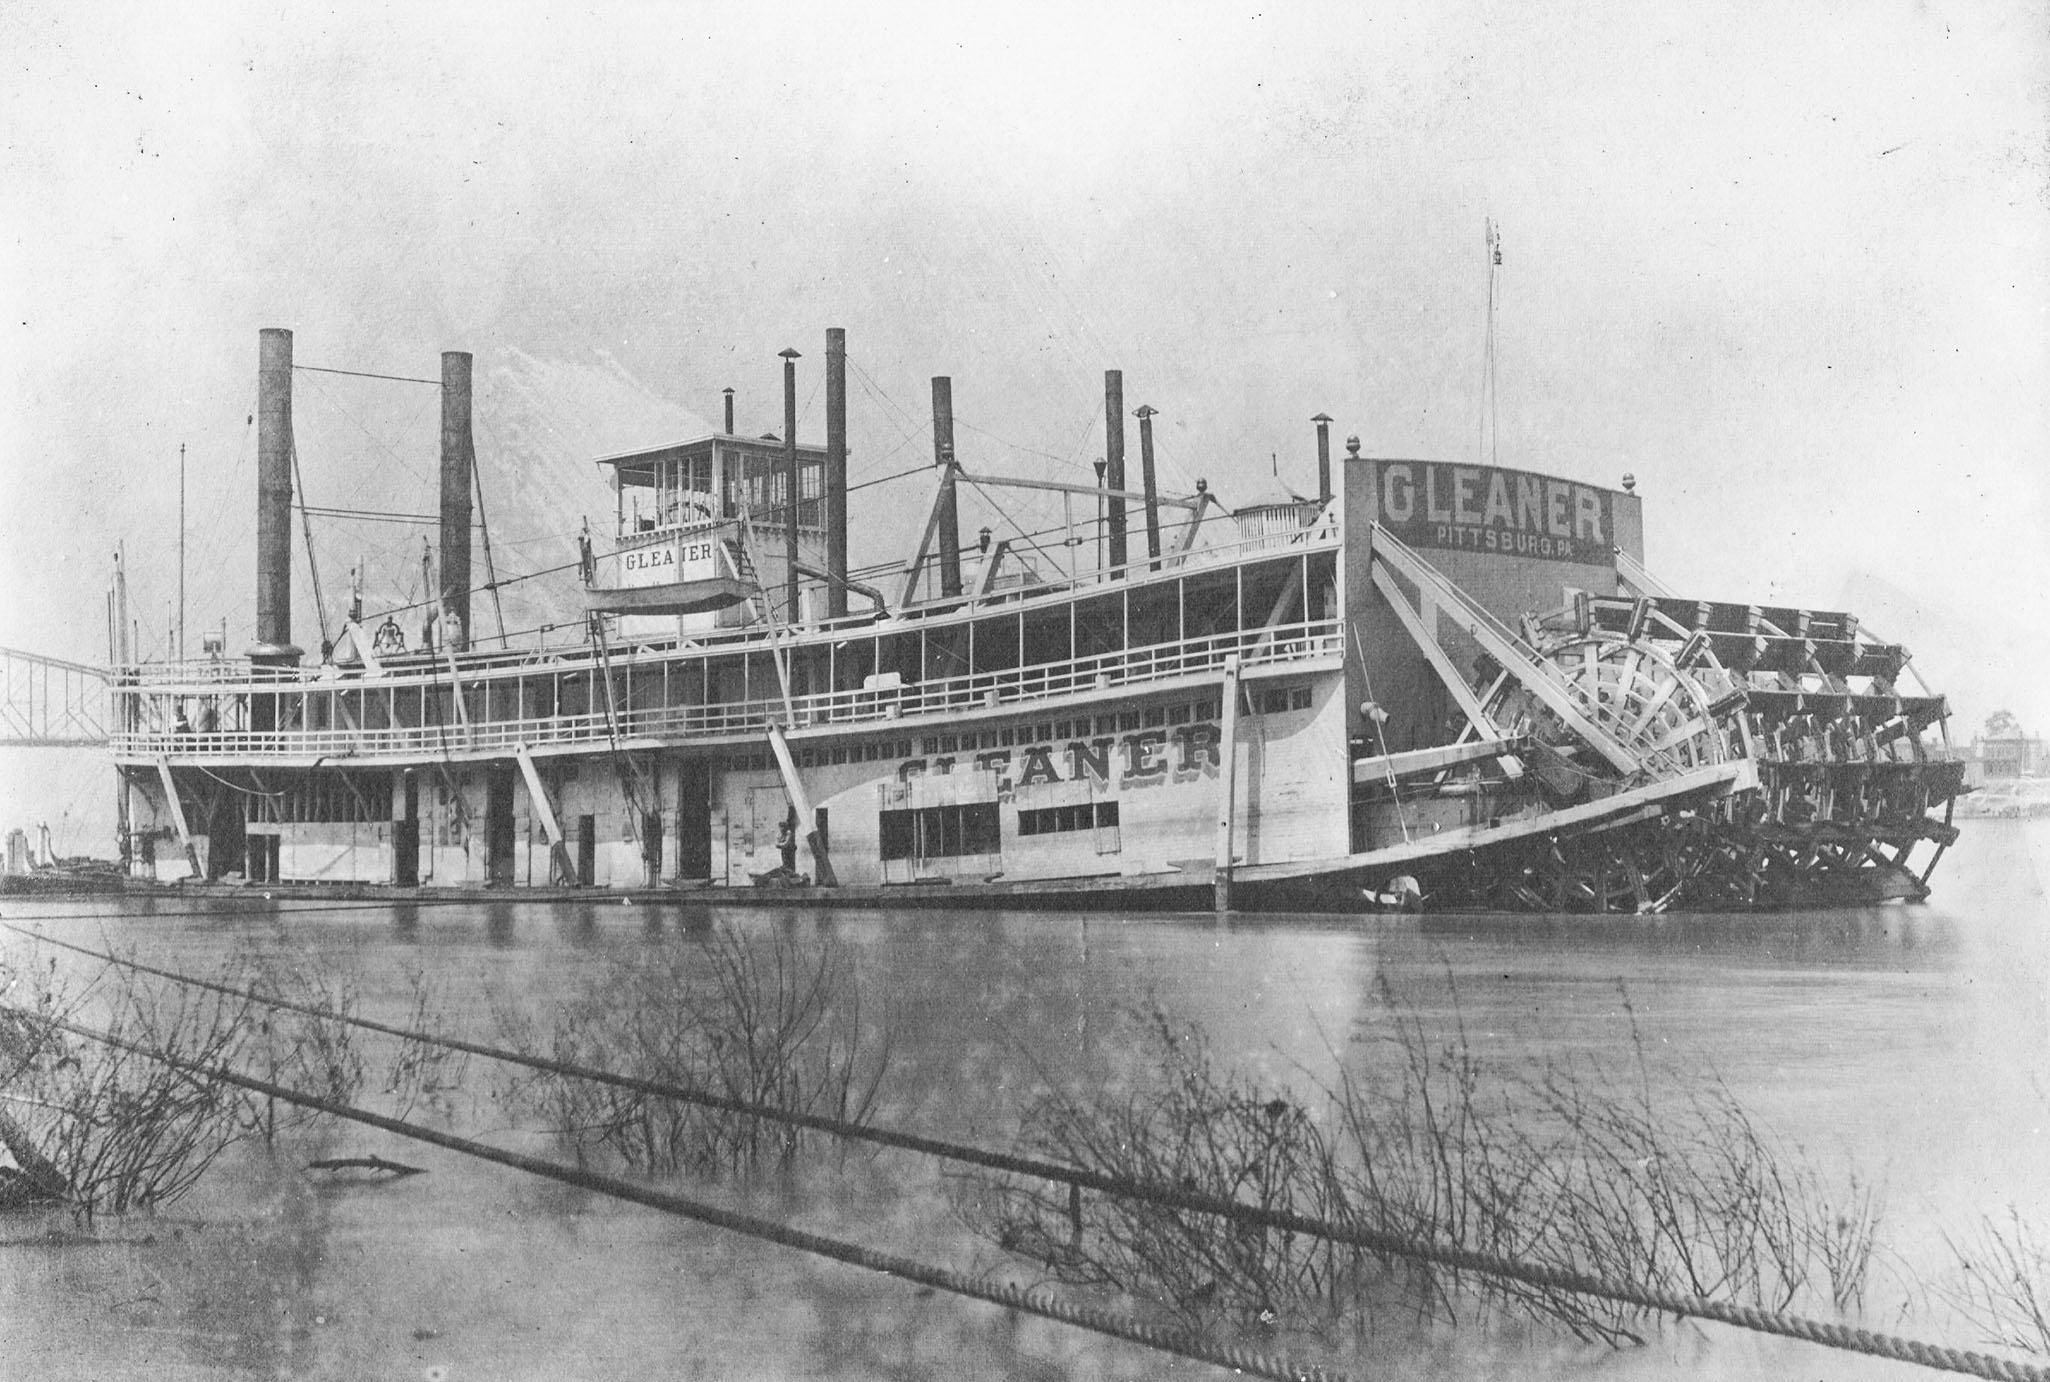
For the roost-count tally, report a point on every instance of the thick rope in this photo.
(1031, 1299)
(1838, 1336)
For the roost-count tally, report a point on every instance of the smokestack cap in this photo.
(280, 654)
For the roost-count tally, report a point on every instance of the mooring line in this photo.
(1838, 1336)
(1033, 1300)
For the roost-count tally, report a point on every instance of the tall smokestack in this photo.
(1145, 415)
(943, 457)
(836, 471)
(274, 497)
(790, 359)
(729, 412)
(1323, 458)
(1114, 458)
(458, 459)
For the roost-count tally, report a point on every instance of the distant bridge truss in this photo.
(46, 702)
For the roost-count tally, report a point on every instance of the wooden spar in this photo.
(178, 813)
(1146, 482)
(916, 565)
(1513, 657)
(1227, 783)
(544, 809)
(800, 803)
(1427, 643)
(1193, 503)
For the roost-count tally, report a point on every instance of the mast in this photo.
(1145, 416)
(181, 551)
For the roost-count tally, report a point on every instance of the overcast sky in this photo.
(1786, 264)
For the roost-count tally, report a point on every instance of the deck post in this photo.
(800, 802)
(1227, 783)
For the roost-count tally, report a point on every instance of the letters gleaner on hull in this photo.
(1434, 684)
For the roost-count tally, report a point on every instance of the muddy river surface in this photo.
(1907, 1046)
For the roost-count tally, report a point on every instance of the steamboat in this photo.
(1429, 684)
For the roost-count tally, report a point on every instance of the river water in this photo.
(1908, 1046)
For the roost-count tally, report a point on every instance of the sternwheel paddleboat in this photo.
(1428, 684)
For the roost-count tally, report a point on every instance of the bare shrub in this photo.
(1569, 1167)
(422, 1074)
(111, 1127)
(767, 1022)
(1198, 1128)
(2001, 1285)
(310, 1052)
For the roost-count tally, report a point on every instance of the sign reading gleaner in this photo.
(685, 557)
(1477, 508)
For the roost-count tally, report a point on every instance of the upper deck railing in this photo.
(218, 676)
(1319, 640)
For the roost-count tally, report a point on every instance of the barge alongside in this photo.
(1433, 684)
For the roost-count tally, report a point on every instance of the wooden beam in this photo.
(1193, 502)
(1427, 643)
(1414, 761)
(1227, 784)
(1514, 658)
(178, 813)
(800, 802)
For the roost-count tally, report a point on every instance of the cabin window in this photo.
(1099, 625)
(940, 832)
(1058, 820)
(1277, 700)
(1155, 613)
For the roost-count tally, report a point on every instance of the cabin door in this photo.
(694, 819)
(498, 827)
(768, 809)
(405, 836)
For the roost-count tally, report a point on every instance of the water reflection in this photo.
(1908, 1041)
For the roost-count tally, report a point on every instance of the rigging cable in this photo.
(312, 566)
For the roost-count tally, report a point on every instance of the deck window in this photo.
(1055, 820)
(940, 832)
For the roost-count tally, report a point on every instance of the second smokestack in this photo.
(274, 496)
(836, 472)
(458, 462)
(1114, 459)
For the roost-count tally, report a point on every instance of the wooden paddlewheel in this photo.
(1849, 780)
(1630, 691)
